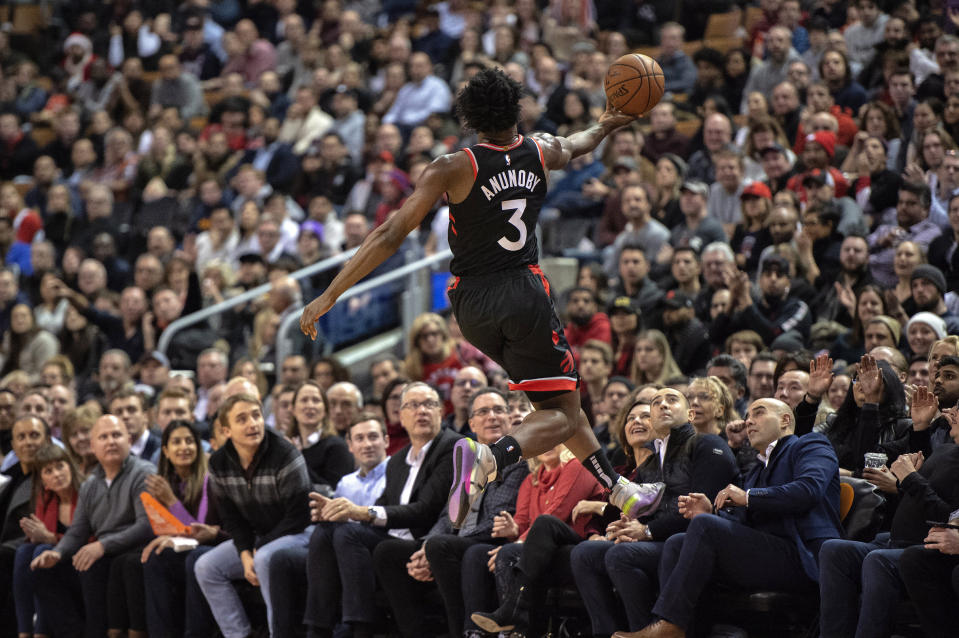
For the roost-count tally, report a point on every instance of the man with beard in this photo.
(928, 286)
(633, 280)
(766, 75)
(686, 334)
(585, 320)
(852, 276)
(774, 313)
(641, 229)
(113, 376)
(946, 392)
(328, 170)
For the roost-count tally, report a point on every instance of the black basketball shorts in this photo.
(510, 316)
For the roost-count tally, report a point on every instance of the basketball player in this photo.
(499, 295)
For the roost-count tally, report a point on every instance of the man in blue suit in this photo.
(765, 535)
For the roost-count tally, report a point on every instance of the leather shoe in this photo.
(659, 629)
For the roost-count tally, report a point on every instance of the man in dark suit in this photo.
(417, 485)
(766, 536)
(404, 567)
(131, 408)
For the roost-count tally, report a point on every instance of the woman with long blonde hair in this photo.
(653, 359)
(711, 405)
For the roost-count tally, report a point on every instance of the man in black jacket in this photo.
(261, 487)
(28, 434)
(774, 313)
(686, 462)
(417, 485)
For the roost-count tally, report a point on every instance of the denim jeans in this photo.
(23, 589)
(859, 588)
(217, 569)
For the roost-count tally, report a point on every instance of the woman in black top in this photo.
(873, 417)
(327, 456)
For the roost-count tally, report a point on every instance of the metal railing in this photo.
(242, 298)
(413, 299)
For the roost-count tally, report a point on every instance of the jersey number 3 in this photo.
(518, 206)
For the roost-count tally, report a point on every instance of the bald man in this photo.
(764, 535)
(109, 510)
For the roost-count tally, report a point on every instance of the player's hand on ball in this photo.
(614, 118)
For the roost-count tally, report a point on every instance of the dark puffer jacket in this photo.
(694, 463)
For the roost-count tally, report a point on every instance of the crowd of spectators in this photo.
(776, 286)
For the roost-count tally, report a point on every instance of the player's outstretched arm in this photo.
(384, 240)
(558, 151)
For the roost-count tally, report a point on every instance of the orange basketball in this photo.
(635, 84)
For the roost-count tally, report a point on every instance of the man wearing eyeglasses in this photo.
(468, 381)
(417, 483)
(455, 559)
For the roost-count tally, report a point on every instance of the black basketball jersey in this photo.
(493, 229)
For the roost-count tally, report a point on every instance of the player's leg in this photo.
(557, 419)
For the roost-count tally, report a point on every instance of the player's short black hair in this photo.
(489, 102)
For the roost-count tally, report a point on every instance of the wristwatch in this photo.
(372, 513)
(648, 534)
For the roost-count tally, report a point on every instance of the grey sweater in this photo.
(113, 514)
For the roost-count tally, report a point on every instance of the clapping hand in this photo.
(925, 405)
(36, 531)
(870, 379)
(820, 376)
(906, 464)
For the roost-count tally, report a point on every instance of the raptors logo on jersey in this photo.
(494, 225)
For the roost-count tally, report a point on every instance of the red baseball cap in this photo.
(757, 189)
